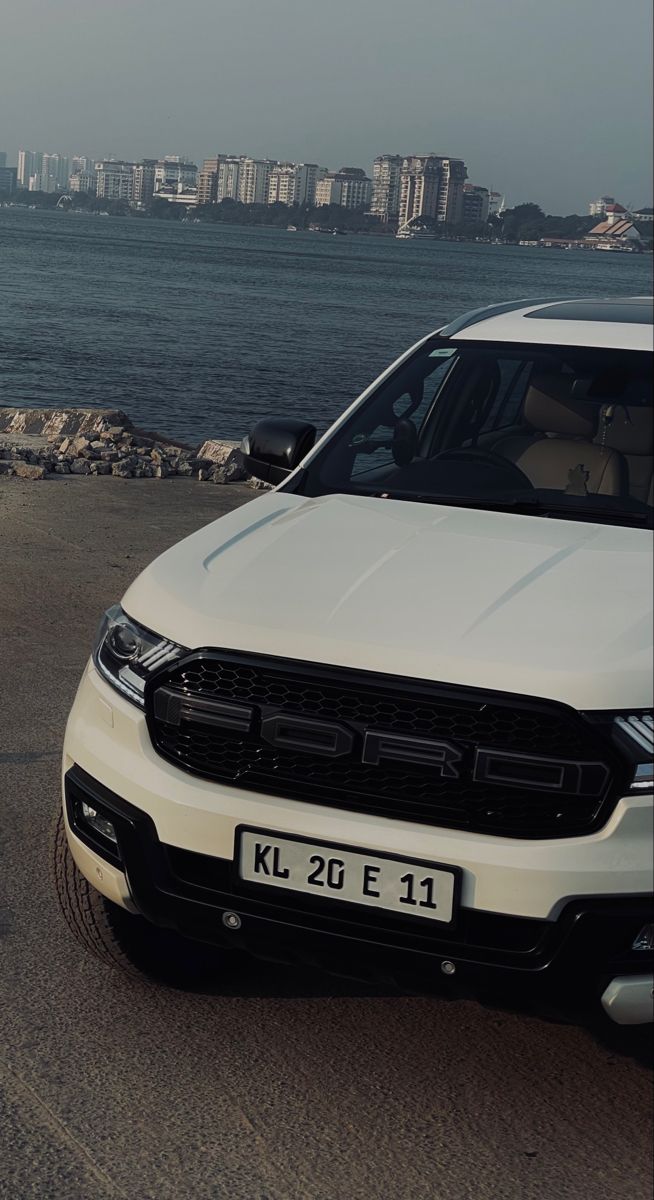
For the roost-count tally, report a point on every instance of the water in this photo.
(200, 330)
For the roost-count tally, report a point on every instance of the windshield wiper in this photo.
(522, 504)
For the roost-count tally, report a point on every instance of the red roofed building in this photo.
(615, 230)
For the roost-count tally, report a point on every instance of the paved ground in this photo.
(278, 1086)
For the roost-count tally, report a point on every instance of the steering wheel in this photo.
(474, 454)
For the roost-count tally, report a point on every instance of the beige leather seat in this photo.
(561, 454)
(629, 429)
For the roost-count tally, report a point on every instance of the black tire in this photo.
(122, 939)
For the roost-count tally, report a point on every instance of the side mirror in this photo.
(275, 447)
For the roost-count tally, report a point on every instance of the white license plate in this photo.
(399, 885)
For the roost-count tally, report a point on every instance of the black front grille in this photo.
(205, 713)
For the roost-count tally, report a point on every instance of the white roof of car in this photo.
(621, 323)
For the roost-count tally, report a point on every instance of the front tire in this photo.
(121, 939)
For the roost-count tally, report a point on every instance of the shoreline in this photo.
(43, 443)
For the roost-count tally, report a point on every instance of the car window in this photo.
(554, 428)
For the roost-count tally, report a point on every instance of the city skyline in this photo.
(543, 100)
(83, 165)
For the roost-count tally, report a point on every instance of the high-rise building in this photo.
(81, 162)
(208, 181)
(3, 159)
(597, 208)
(431, 188)
(294, 183)
(115, 180)
(349, 188)
(83, 181)
(229, 173)
(56, 167)
(449, 208)
(475, 204)
(253, 180)
(281, 184)
(144, 174)
(7, 178)
(386, 174)
(496, 204)
(43, 183)
(29, 163)
(419, 184)
(173, 170)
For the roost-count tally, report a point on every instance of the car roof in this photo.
(621, 323)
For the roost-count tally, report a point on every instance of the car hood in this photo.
(517, 603)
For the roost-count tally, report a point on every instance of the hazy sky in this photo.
(546, 100)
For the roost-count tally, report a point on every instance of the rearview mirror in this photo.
(275, 447)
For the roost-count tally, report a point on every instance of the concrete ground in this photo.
(279, 1085)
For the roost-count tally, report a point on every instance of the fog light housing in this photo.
(99, 824)
(645, 939)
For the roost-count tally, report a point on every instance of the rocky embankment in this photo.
(37, 443)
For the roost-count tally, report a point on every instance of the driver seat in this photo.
(560, 454)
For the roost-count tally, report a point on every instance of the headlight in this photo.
(634, 732)
(125, 653)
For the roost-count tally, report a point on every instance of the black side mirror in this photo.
(275, 447)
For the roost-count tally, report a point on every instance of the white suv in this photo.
(395, 716)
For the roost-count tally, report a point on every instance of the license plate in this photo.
(399, 885)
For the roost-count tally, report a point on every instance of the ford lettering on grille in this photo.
(411, 749)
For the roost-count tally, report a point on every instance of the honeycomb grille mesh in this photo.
(410, 792)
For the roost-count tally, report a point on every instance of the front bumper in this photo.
(562, 913)
(585, 953)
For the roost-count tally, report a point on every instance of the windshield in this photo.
(554, 430)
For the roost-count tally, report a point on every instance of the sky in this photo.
(546, 100)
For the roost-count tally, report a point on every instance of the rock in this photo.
(80, 466)
(232, 472)
(62, 468)
(216, 451)
(185, 469)
(28, 471)
(259, 485)
(98, 444)
(65, 445)
(58, 422)
(100, 468)
(162, 471)
(6, 466)
(123, 469)
(205, 474)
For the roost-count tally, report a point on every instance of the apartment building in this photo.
(83, 181)
(254, 179)
(228, 180)
(208, 180)
(294, 183)
(173, 170)
(597, 208)
(114, 180)
(349, 188)
(7, 176)
(144, 181)
(449, 207)
(386, 176)
(48, 171)
(431, 188)
(419, 183)
(29, 163)
(475, 204)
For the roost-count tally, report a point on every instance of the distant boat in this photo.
(415, 229)
(291, 228)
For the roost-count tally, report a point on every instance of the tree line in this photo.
(524, 222)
